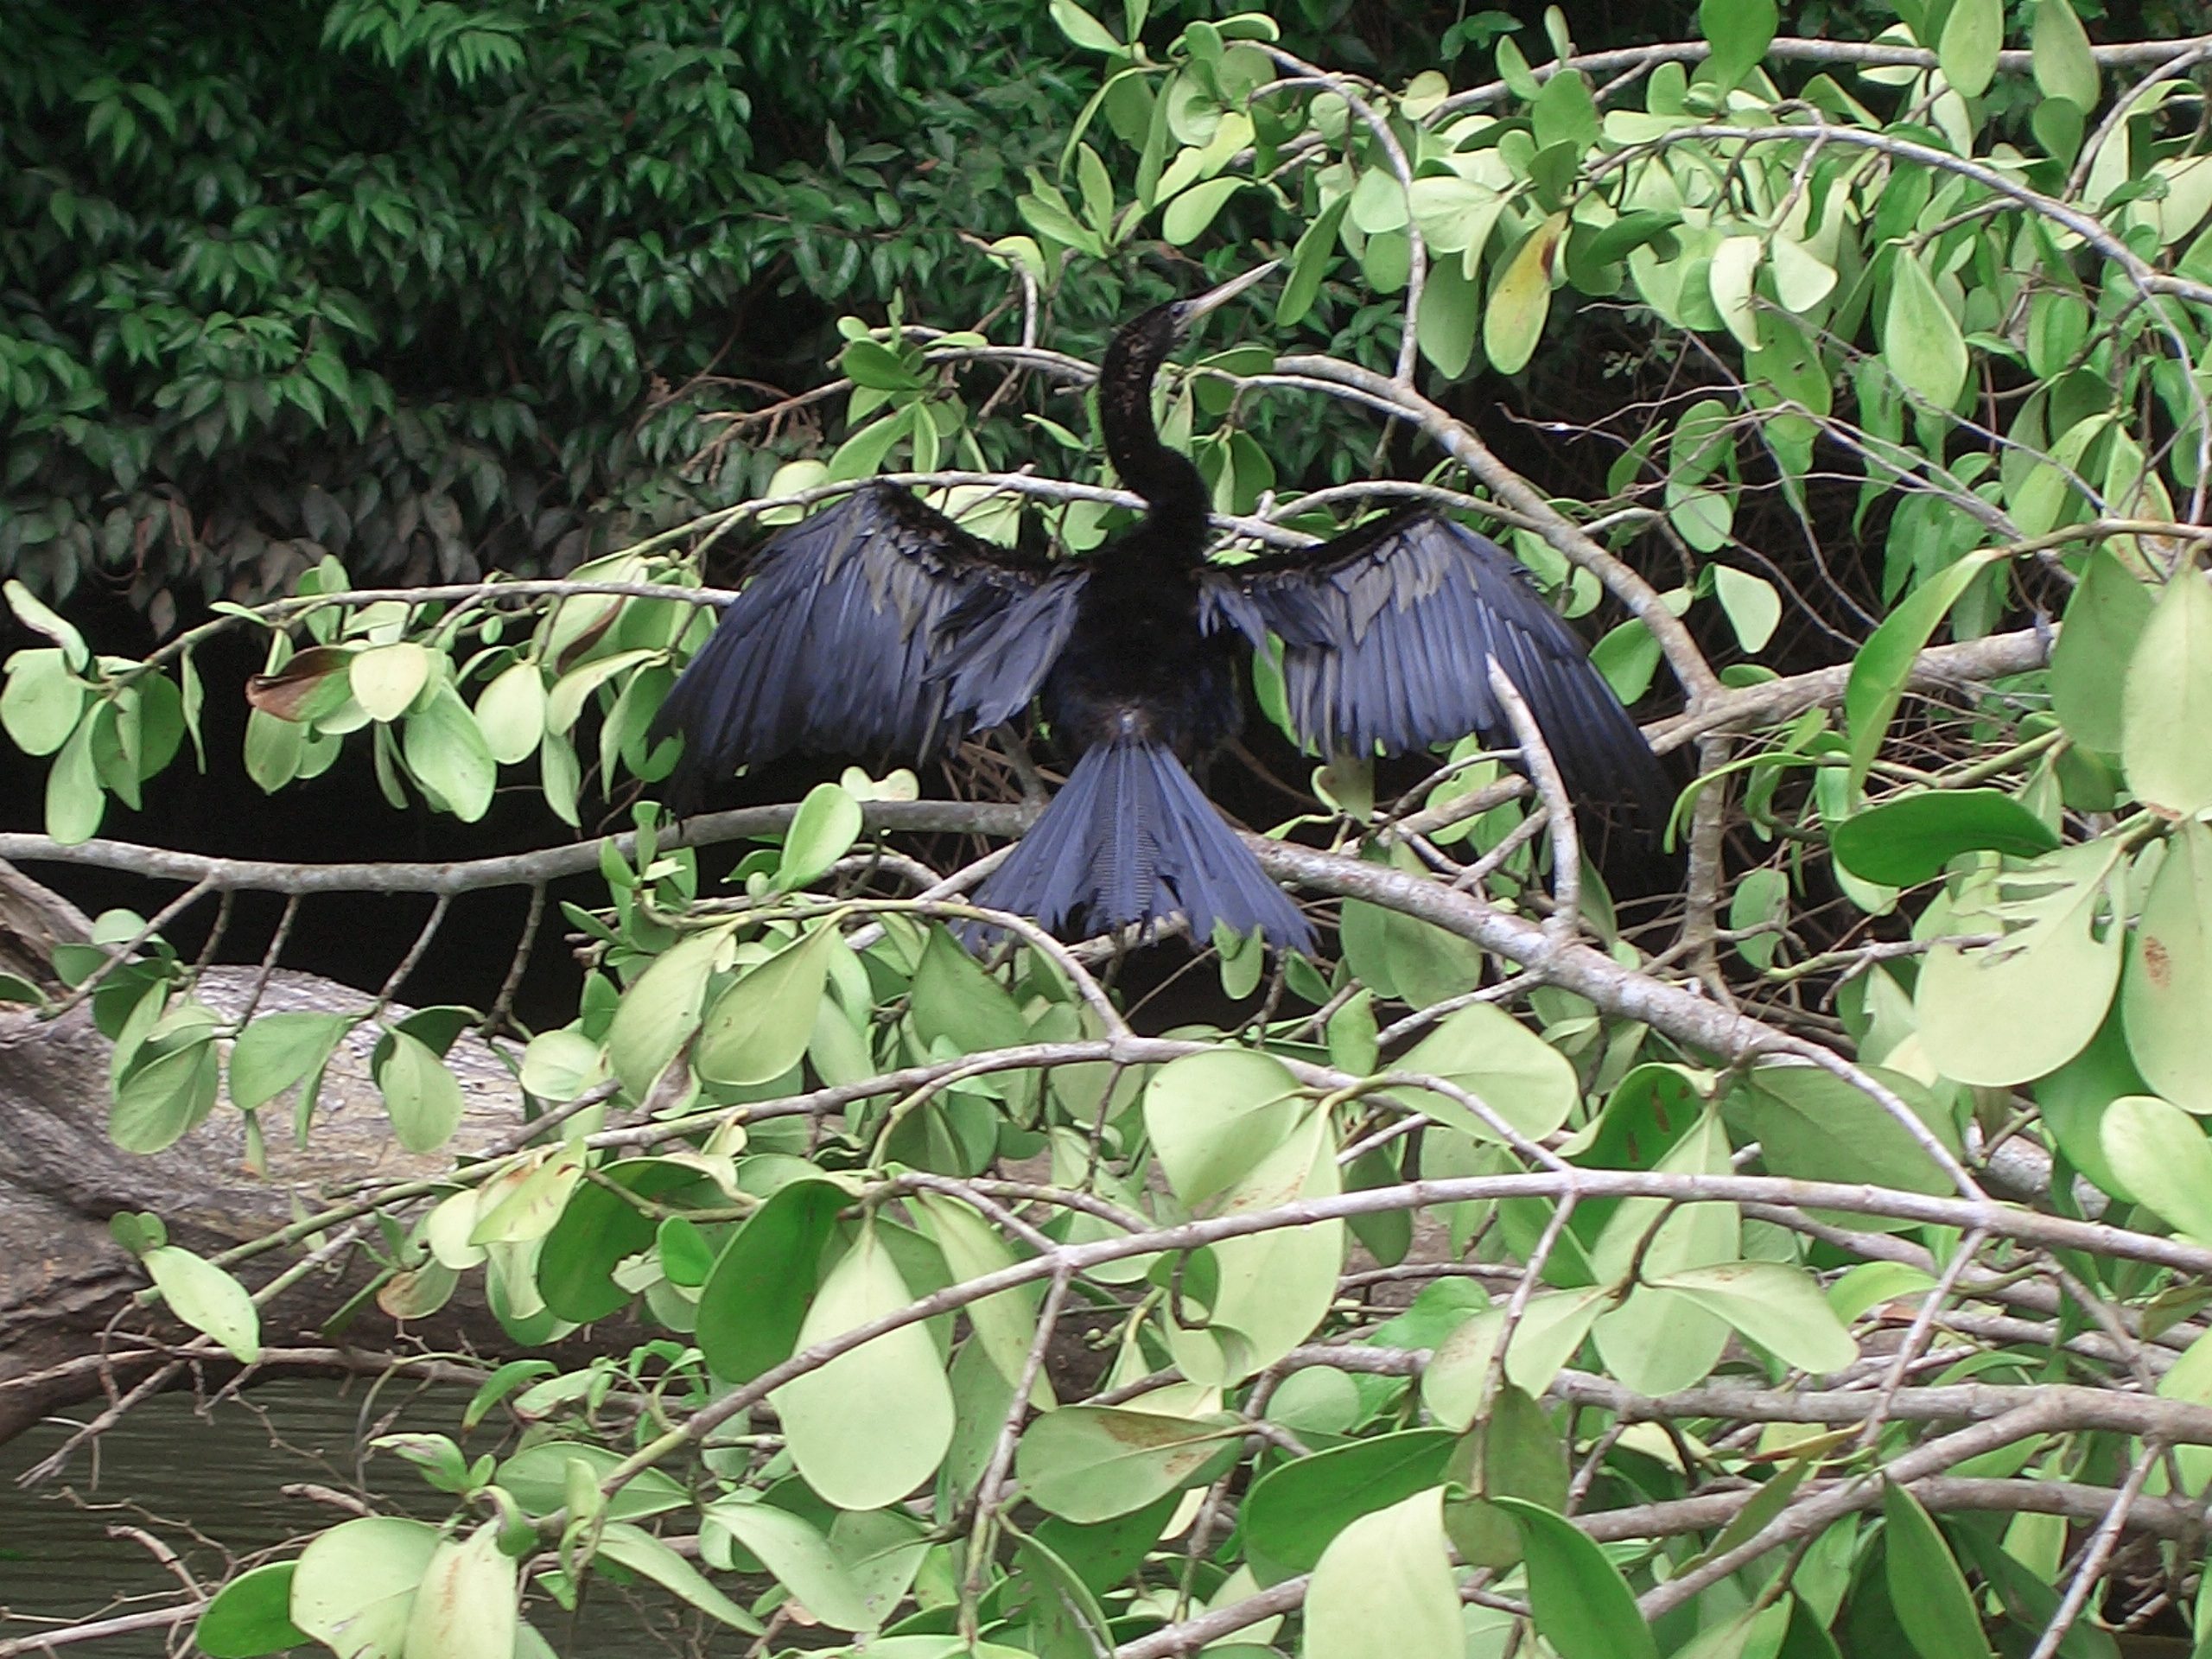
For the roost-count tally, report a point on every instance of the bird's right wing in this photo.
(876, 625)
(1387, 633)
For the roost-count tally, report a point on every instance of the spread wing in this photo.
(1386, 632)
(876, 625)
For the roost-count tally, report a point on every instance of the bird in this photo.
(877, 626)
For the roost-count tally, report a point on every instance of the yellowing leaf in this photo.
(1514, 320)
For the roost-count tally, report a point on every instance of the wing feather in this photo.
(1385, 633)
(876, 625)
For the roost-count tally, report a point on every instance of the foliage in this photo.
(1709, 1257)
(441, 289)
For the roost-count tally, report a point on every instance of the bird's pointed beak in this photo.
(1189, 311)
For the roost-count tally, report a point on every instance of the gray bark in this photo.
(67, 1288)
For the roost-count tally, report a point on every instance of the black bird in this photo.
(879, 624)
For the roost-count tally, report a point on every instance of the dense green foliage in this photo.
(441, 289)
(985, 1318)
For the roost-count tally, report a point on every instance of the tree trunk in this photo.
(66, 1286)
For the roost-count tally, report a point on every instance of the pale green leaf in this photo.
(355, 1585)
(386, 679)
(2160, 1152)
(874, 1423)
(2166, 997)
(207, 1299)
(42, 702)
(2166, 708)
(465, 1607)
(1385, 1584)
(511, 713)
(2011, 1012)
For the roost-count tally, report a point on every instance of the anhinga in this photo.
(880, 625)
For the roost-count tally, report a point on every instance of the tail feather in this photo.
(1130, 840)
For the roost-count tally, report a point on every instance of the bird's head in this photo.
(1132, 357)
(1140, 346)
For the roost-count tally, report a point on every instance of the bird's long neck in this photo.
(1173, 492)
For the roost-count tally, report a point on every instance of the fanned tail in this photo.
(1130, 840)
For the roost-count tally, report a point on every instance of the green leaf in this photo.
(1816, 1126)
(1092, 1463)
(279, 1049)
(539, 1478)
(206, 1298)
(954, 999)
(1582, 1606)
(1450, 312)
(660, 1010)
(164, 1099)
(1187, 216)
(1294, 1510)
(75, 800)
(874, 1423)
(1740, 31)
(1879, 673)
(2166, 709)
(447, 752)
(2011, 1012)
(2166, 997)
(642, 1553)
(1777, 1306)
(354, 1586)
(1385, 1584)
(1973, 35)
(423, 1095)
(35, 615)
(2063, 64)
(1925, 1583)
(42, 702)
(251, 1616)
(1080, 26)
(755, 1301)
(1564, 112)
(1908, 839)
(465, 1605)
(1921, 342)
(1511, 1450)
(758, 1028)
(1485, 1051)
(1270, 1289)
(1005, 1323)
(2089, 665)
(2159, 1152)
(1400, 956)
(1554, 1325)
(1514, 321)
(1214, 1117)
(1309, 262)
(1730, 278)
(823, 831)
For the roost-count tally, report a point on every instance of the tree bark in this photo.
(67, 1287)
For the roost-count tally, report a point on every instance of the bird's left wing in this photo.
(876, 625)
(1386, 633)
